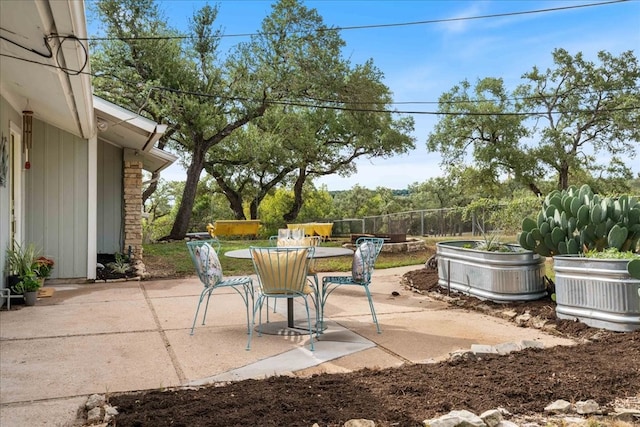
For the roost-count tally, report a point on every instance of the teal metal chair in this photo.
(282, 273)
(364, 258)
(204, 254)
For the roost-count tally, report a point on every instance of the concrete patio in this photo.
(127, 336)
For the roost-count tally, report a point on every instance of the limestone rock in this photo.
(558, 407)
(456, 419)
(359, 423)
(492, 417)
(587, 407)
(95, 414)
(94, 401)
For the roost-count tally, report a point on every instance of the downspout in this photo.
(92, 206)
(154, 137)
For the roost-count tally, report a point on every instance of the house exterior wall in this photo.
(56, 198)
(7, 115)
(109, 212)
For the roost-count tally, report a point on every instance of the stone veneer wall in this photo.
(133, 207)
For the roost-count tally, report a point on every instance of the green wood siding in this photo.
(109, 227)
(56, 199)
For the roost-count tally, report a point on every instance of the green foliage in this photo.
(575, 221)
(22, 259)
(633, 267)
(121, 264)
(241, 134)
(579, 107)
(28, 283)
(585, 105)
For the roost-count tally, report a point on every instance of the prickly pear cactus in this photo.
(576, 220)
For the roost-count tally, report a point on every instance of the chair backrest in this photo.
(364, 258)
(282, 270)
(204, 255)
(377, 243)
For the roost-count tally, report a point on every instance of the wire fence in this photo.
(427, 222)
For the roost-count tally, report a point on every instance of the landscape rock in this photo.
(94, 401)
(523, 319)
(492, 417)
(507, 347)
(587, 407)
(627, 415)
(456, 419)
(359, 423)
(558, 407)
(94, 414)
(480, 349)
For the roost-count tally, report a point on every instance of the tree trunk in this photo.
(563, 176)
(298, 201)
(533, 187)
(153, 185)
(181, 224)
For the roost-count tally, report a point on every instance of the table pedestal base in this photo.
(282, 328)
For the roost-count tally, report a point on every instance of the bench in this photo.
(248, 227)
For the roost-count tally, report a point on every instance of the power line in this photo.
(362, 27)
(329, 107)
(324, 106)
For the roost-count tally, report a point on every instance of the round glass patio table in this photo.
(289, 327)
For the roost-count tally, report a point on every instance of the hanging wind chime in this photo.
(27, 136)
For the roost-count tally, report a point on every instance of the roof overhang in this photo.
(58, 88)
(126, 129)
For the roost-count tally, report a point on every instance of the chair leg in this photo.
(258, 307)
(317, 303)
(373, 310)
(206, 307)
(248, 293)
(306, 303)
(197, 310)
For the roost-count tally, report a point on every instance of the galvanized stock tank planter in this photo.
(598, 292)
(515, 275)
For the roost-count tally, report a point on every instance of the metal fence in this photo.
(427, 222)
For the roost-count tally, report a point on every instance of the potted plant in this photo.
(26, 270)
(594, 244)
(488, 268)
(28, 286)
(43, 267)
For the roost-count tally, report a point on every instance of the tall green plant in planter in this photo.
(575, 225)
(576, 222)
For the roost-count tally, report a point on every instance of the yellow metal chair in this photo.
(282, 273)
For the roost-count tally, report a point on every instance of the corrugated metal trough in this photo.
(598, 292)
(496, 276)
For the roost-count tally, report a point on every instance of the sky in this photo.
(420, 62)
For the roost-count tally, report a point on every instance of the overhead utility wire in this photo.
(361, 27)
(328, 107)
(382, 110)
(301, 104)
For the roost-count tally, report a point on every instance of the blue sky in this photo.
(420, 62)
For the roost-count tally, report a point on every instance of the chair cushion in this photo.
(208, 257)
(282, 272)
(364, 252)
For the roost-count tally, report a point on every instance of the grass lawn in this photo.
(171, 259)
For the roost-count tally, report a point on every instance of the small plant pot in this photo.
(30, 297)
